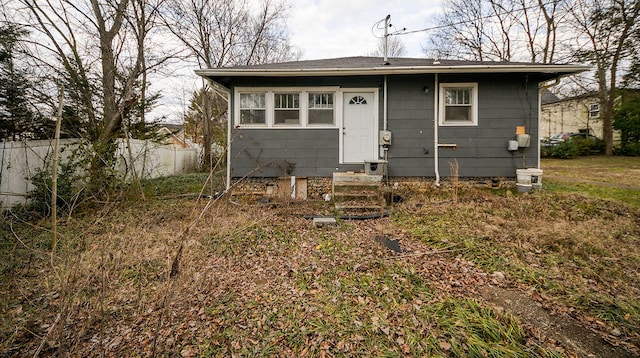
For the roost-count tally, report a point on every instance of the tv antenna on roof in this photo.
(385, 42)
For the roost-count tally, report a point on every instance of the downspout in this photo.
(385, 149)
(229, 124)
(436, 96)
(540, 88)
(384, 115)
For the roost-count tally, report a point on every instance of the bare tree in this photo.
(496, 29)
(554, 14)
(99, 49)
(461, 31)
(499, 34)
(395, 47)
(605, 31)
(221, 33)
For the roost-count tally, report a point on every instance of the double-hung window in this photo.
(253, 108)
(321, 109)
(594, 111)
(303, 107)
(286, 109)
(459, 104)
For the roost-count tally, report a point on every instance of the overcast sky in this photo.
(322, 29)
(339, 28)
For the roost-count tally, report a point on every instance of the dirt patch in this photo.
(562, 329)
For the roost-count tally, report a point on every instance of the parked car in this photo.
(563, 137)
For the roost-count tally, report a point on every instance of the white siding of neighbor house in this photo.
(569, 116)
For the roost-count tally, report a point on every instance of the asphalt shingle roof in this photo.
(361, 62)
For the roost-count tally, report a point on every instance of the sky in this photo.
(324, 29)
(341, 28)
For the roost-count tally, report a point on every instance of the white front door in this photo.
(359, 127)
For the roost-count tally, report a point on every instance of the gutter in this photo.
(341, 71)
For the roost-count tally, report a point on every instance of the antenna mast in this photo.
(386, 37)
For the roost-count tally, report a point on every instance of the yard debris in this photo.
(498, 275)
(393, 245)
(324, 221)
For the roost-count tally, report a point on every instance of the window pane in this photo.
(320, 108)
(457, 96)
(286, 116)
(252, 108)
(286, 108)
(252, 116)
(321, 116)
(287, 100)
(320, 100)
(252, 100)
(455, 113)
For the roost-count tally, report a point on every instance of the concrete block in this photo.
(320, 222)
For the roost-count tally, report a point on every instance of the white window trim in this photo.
(303, 102)
(474, 105)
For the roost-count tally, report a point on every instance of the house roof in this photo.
(547, 96)
(354, 66)
(589, 95)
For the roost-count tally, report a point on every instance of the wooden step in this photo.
(356, 195)
(366, 207)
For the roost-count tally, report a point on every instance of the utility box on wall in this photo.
(524, 140)
(385, 138)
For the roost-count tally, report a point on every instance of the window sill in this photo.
(458, 124)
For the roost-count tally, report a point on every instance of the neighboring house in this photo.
(173, 134)
(578, 114)
(314, 118)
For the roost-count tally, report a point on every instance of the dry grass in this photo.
(259, 280)
(617, 171)
(253, 280)
(581, 253)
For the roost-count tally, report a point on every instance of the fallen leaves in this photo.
(254, 281)
(446, 346)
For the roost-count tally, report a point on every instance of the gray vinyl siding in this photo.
(281, 152)
(504, 102)
(410, 120)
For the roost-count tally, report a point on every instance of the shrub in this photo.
(628, 149)
(565, 150)
(588, 147)
(71, 180)
(573, 148)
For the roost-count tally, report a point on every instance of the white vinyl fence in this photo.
(19, 161)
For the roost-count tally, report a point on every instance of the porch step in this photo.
(365, 207)
(358, 192)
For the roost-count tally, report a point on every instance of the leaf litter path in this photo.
(583, 342)
(547, 326)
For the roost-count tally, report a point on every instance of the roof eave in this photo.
(548, 69)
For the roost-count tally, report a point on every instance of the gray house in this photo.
(314, 118)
